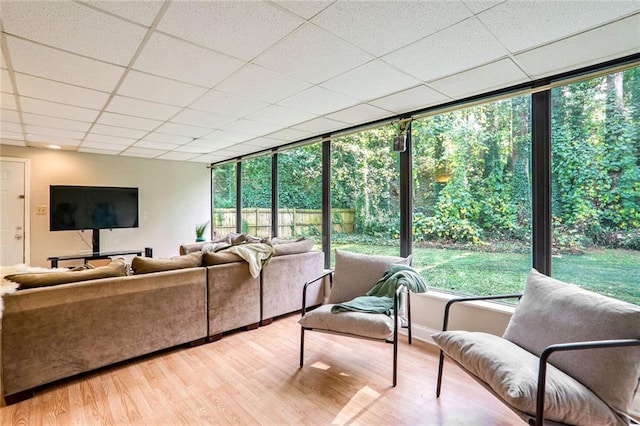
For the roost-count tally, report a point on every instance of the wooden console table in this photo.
(100, 255)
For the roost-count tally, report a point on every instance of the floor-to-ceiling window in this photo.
(472, 197)
(224, 198)
(256, 196)
(596, 184)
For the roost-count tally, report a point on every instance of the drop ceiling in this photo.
(206, 81)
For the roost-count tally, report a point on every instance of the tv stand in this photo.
(95, 240)
(98, 255)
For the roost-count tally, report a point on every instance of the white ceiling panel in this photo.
(179, 60)
(73, 27)
(87, 150)
(11, 138)
(8, 101)
(281, 116)
(158, 89)
(478, 6)
(359, 114)
(408, 100)
(313, 55)
(5, 82)
(208, 158)
(228, 104)
(142, 152)
(167, 138)
(380, 27)
(121, 120)
(59, 92)
(108, 139)
(304, 9)
(53, 109)
(34, 140)
(183, 130)
(101, 129)
(52, 132)
(319, 125)
(140, 108)
(156, 145)
(464, 45)
(263, 142)
(225, 138)
(240, 29)
(180, 156)
(204, 119)
(53, 64)
(319, 101)
(193, 149)
(262, 84)
(8, 126)
(142, 12)
(290, 135)
(520, 25)
(618, 39)
(9, 115)
(55, 122)
(103, 147)
(252, 128)
(3, 64)
(498, 74)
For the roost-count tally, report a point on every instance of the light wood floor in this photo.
(253, 377)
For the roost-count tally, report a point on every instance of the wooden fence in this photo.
(291, 222)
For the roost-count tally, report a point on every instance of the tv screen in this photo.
(92, 207)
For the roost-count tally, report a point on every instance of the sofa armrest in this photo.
(328, 272)
(573, 346)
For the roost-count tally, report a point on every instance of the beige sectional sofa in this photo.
(58, 331)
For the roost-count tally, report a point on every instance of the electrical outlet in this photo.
(40, 210)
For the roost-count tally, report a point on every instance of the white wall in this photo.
(174, 196)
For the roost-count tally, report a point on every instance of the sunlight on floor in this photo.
(356, 404)
(320, 365)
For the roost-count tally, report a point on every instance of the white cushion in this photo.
(376, 326)
(512, 373)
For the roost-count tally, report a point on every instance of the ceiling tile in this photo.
(289, 135)
(202, 119)
(263, 142)
(9, 115)
(53, 109)
(313, 55)
(252, 128)
(408, 100)
(52, 140)
(173, 58)
(318, 100)
(3, 64)
(5, 82)
(102, 146)
(87, 150)
(142, 12)
(319, 125)
(101, 129)
(11, 138)
(8, 126)
(155, 145)
(182, 130)
(8, 101)
(180, 156)
(462, 46)
(241, 29)
(493, 76)
(51, 132)
(55, 122)
(140, 108)
(225, 138)
(193, 149)
(304, 9)
(359, 114)
(380, 27)
(262, 84)
(142, 152)
(158, 89)
(228, 104)
(120, 120)
(35, 59)
(281, 116)
(166, 138)
(607, 42)
(371, 81)
(114, 140)
(209, 158)
(520, 25)
(59, 92)
(73, 27)
(478, 6)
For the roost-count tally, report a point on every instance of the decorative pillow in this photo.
(512, 373)
(193, 247)
(218, 258)
(552, 311)
(145, 265)
(285, 247)
(355, 274)
(117, 268)
(376, 326)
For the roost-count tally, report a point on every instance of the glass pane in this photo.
(256, 196)
(365, 192)
(300, 193)
(472, 206)
(224, 199)
(596, 184)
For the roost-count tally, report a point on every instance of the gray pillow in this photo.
(356, 273)
(146, 265)
(552, 311)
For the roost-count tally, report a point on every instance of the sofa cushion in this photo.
(376, 326)
(512, 373)
(145, 265)
(286, 247)
(219, 258)
(116, 268)
(552, 311)
(356, 274)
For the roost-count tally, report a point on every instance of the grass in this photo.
(612, 272)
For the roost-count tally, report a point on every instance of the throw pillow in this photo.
(218, 258)
(117, 268)
(552, 311)
(356, 273)
(285, 247)
(146, 265)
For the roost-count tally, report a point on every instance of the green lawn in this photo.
(615, 273)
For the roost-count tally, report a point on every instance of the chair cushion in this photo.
(552, 311)
(356, 273)
(512, 373)
(376, 326)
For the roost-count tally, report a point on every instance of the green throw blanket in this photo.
(379, 299)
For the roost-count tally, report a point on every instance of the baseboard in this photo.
(421, 333)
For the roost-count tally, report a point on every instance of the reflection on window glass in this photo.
(300, 193)
(256, 196)
(596, 184)
(365, 192)
(472, 198)
(224, 199)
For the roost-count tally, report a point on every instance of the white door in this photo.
(12, 205)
